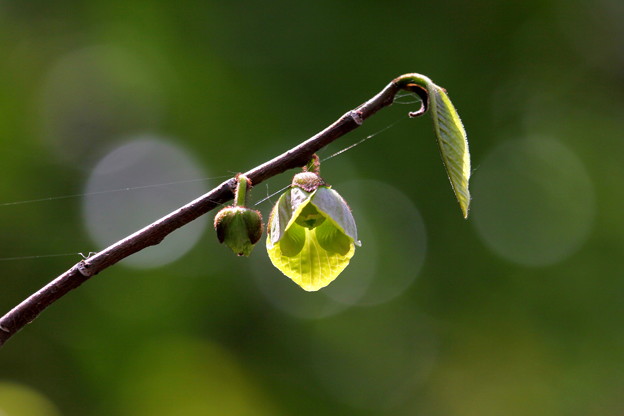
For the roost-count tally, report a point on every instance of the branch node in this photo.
(232, 183)
(84, 268)
(356, 116)
(5, 329)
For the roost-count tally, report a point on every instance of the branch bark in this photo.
(154, 233)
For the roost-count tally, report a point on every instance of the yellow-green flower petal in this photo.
(313, 267)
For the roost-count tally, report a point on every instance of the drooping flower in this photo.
(312, 233)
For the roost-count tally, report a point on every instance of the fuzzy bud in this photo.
(308, 181)
(239, 228)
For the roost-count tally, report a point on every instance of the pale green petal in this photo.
(334, 207)
(298, 196)
(332, 239)
(285, 212)
(298, 200)
(279, 218)
(293, 240)
(314, 267)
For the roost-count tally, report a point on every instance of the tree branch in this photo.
(154, 233)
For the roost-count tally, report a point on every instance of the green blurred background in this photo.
(517, 311)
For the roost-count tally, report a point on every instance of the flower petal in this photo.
(292, 241)
(313, 267)
(330, 203)
(333, 239)
(280, 215)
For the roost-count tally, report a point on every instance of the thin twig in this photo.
(154, 233)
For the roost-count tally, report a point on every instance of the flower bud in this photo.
(239, 228)
(308, 181)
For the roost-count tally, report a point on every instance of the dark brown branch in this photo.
(154, 233)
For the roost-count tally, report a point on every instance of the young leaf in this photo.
(453, 144)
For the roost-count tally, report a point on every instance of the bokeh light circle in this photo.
(192, 377)
(20, 400)
(143, 161)
(394, 244)
(533, 201)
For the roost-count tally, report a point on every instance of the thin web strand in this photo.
(370, 136)
(411, 101)
(157, 185)
(406, 98)
(108, 191)
(42, 256)
(272, 195)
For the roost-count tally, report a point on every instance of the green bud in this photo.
(239, 228)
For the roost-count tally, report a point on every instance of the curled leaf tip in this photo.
(423, 94)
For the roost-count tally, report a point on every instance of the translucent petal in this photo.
(298, 196)
(279, 218)
(285, 212)
(333, 239)
(292, 241)
(313, 267)
(333, 206)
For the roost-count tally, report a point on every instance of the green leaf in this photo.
(453, 144)
(449, 131)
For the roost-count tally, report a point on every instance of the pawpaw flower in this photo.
(240, 228)
(312, 233)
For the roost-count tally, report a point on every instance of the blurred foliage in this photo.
(516, 311)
